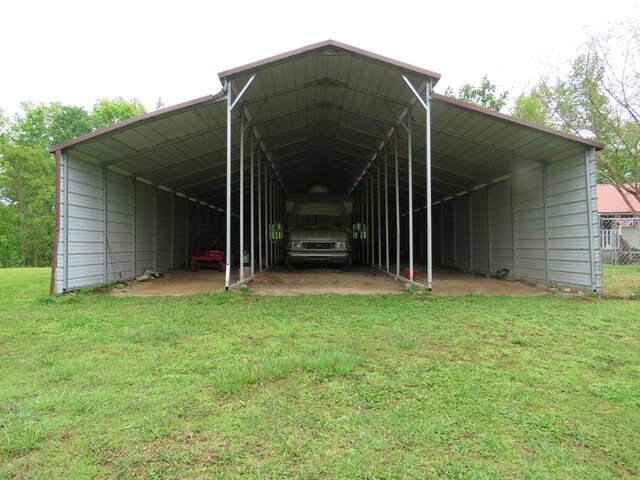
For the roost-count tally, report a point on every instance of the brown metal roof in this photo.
(322, 114)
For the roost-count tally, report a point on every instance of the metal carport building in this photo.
(436, 181)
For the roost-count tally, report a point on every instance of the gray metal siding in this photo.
(85, 225)
(164, 227)
(448, 234)
(180, 254)
(501, 227)
(120, 218)
(479, 225)
(462, 239)
(145, 228)
(193, 234)
(529, 225)
(568, 223)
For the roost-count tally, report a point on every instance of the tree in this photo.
(598, 99)
(484, 95)
(27, 190)
(27, 171)
(41, 126)
(107, 112)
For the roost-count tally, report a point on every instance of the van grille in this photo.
(319, 245)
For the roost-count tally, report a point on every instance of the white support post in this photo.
(259, 182)
(428, 181)
(379, 220)
(266, 216)
(395, 151)
(372, 253)
(410, 178)
(231, 103)
(386, 205)
(252, 202)
(241, 219)
(369, 204)
(227, 272)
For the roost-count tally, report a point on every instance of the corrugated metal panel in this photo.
(164, 230)
(145, 228)
(436, 213)
(448, 234)
(501, 227)
(568, 222)
(180, 233)
(120, 238)
(85, 254)
(479, 231)
(193, 225)
(528, 216)
(462, 240)
(62, 212)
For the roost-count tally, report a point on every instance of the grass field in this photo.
(621, 280)
(231, 385)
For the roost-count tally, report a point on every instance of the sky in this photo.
(77, 52)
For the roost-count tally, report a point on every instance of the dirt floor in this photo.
(360, 280)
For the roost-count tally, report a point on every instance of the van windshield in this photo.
(319, 222)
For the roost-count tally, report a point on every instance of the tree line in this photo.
(597, 98)
(27, 171)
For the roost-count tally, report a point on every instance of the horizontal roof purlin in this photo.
(513, 120)
(135, 120)
(326, 44)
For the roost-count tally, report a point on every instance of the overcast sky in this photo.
(79, 51)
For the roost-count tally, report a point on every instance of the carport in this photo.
(435, 181)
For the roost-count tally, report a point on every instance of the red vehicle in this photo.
(209, 259)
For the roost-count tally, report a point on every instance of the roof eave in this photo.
(134, 120)
(518, 121)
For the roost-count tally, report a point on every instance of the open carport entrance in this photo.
(435, 181)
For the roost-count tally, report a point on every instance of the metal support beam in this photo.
(395, 151)
(386, 205)
(241, 237)
(379, 219)
(227, 272)
(410, 180)
(266, 216)
(253, 219)
(258, 181)
(428, 184)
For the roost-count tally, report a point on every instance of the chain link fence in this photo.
(620, 247)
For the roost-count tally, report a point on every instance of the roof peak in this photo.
(325, 45)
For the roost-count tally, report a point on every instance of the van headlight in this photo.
(342, 244)
(295, 244)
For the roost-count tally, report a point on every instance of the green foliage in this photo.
(40, 126)
(27, 190)
(229, 385)
(27, 171)
(484, 95)
(107, 112)
(599, 98)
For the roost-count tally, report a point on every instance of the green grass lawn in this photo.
(621, 280)
(231, 385)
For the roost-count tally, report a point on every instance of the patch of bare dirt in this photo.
(360, 280)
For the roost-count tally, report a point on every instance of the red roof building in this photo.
(612, 202)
